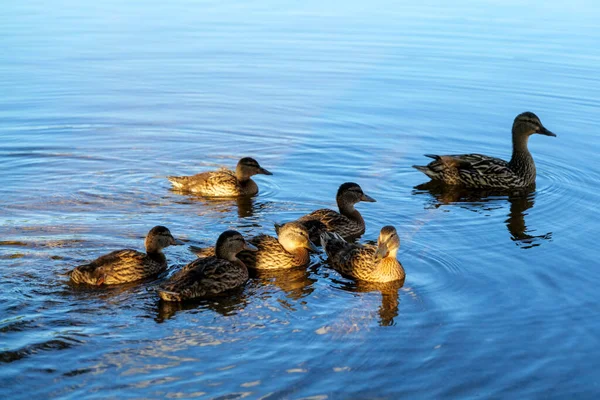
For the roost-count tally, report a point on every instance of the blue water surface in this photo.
(100, 101)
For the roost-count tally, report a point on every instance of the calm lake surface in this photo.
(100, 102)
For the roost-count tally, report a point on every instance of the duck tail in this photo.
(202, 252)
(177, 181)
(426, 170)
(315, 228)
(331, 241)
(87, 274)
(169, 296)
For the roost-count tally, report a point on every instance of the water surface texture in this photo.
(100, 101)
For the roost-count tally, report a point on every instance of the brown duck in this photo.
(210, 276)
(366, 263)
(482, 172)
(128, 265)
(348, 222)
(223, 182)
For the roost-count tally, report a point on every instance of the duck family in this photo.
(220, 269)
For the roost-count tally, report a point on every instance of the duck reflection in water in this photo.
(520, 201)
(295, 283)
(390, 299)
(246, 206)
(228, 304)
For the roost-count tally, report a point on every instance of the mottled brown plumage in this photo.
(223, 182)
(127, 265)
(480, 171)
(289, 250)
(210, 276)
(366, 263)
(348, 222)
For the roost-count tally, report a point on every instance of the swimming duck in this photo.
(348, 222)
(223, 182)
(289, 250)
(128, 265)
(480, 171)
(210, 276)
(366, 263)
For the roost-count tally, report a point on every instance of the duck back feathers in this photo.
(204, 277)
(221, 183)
(120, 266)
(472, 170)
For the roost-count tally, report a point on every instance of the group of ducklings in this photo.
(223, 268)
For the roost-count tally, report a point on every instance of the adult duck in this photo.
(128, 265)
(210, 276)
(223, 182)
(482, 172)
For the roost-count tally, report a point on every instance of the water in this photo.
(101, 102)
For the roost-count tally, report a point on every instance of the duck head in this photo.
(387, 243)
(527, 124)
(158, 238)
(351, 193)
(293, 236)
(248, 167)
(229, 244)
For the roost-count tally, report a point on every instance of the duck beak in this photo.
(544, 131)
(381, 251)
(311, 246)
(264, 171)
(367, 198)
(176, 242)
(249, 247)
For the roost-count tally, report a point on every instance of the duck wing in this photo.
(270, 254)
(202, 251)
(328, 218)
(480, 165)
(470, 169)
(203, 277)
(349, 259)
(115, 267)
(222, 182)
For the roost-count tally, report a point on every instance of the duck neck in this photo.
(238, 262)
(301, 256)
(241, 175)
(156, 254)
(232, 258)
(392, 253)
(522, 161)
(348, 210)
(249, 186)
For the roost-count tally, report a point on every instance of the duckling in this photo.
(366, 263)
(223, 182)
(480, 171)
(210, 276)
(289, 250)
(128, 265)
(348, 223)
